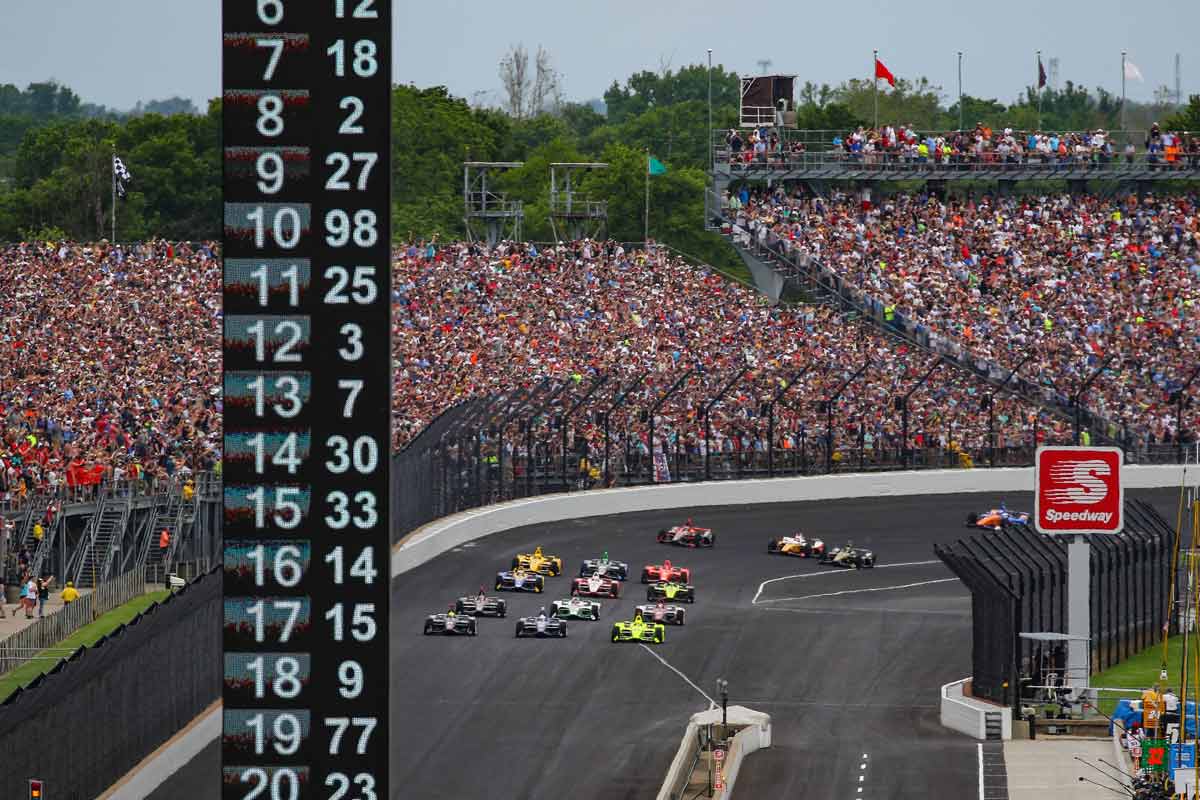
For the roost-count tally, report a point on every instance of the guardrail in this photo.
(955, 152)
(883, 163)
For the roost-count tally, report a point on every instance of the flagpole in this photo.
(1122, 90)
(1040, 89)
(708, 214)
(875, 83)
(646, 229)
(960, 104)
(112, 166)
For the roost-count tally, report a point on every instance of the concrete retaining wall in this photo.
(441, 535)
(755, 736)
(967, 715)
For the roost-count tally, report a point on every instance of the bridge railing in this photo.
(826, 151)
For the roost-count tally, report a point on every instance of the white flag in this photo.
(1132, 72)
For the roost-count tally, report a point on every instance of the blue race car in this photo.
(519, 580)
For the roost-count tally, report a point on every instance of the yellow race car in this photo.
(538, 562)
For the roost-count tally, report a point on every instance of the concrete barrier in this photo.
(441, 535)
(754, 735)
(968, 715)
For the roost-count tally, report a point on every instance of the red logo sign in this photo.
(1078, 490)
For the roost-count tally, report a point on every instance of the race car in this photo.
(666, 571)
(666, 613)
(480, 605)
(543, 625)
(519, 580)
(687, 535)
(996, 517)
(849, 557)
(596, 586)
(538, 562)
(639, 629)
(604, 567)
(670, 590)
(575, 608)
(796, 545)
(449, 624)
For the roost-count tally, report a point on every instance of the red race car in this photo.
(596, 586)
(687, 535)
(666, 571)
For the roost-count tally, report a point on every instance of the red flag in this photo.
(883, 72)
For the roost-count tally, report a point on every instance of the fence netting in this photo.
(146, 681)
(1018, 584)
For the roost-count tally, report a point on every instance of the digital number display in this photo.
(306, 110)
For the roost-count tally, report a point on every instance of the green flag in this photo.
(655, 167)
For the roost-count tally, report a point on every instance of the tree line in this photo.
(55, 168)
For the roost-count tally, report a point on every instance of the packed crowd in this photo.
(111, 355)
(472, 322)
(110, 363)
(979, 146)
(1071, 283)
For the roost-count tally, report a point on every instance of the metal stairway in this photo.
(94, 554)
(34, 513)
(177, 517)
(46, 545)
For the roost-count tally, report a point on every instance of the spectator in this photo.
(43, 592)
(111, 357)
(69, 593)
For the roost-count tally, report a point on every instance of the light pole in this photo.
(960, 104)
(711, 156)
(723, 691)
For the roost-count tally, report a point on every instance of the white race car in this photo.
(575, 608)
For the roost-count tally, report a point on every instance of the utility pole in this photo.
(708, 212)
(764, 64)
(1122, 90)
(960, 103)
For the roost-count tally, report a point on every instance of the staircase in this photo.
(94, 554)
(34, 513)
(46, 545)
(177, 517)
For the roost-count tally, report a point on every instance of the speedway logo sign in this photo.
(1078, 490)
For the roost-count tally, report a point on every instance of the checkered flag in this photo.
(122, 175)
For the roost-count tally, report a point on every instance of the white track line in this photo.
(980, 751)
(859, 591)
(839, 571)
(711, 703)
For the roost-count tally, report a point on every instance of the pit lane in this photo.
(842, 675)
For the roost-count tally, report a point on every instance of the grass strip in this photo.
(86, 636)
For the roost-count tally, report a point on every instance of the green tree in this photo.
(1188, 118)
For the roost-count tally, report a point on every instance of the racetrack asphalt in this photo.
(848, 663)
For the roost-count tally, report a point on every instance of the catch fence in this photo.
(1018, 584)
(554, 438)
(146, 681)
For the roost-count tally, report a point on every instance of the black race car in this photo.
(480, 605)
(849, 557)
(449, 624)
(541, 626)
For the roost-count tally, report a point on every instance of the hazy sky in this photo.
(117, 52)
